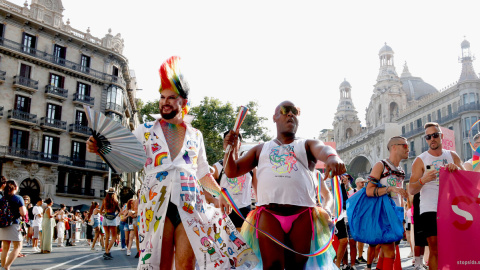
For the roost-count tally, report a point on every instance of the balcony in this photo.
(413, 132)
(76, 191)
(114, 107)
(23, 118)
(53, 124)
(83, 99)
(78, 129)
(25, 154)
(469, 107)
(2, 76)
(412, 154)
(52, 91)
(13, 48)
(25, 84)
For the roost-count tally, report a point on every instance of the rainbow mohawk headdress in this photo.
(172, 78)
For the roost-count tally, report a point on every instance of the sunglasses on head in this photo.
(284, 109)
(434, 135)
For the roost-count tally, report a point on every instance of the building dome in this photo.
(465, 44)
(416, 88)
(345, 84)
(385, 49)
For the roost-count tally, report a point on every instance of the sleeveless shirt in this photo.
(429, 192)
(283, 177)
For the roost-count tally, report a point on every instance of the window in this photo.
(467, 126)
(78, 150)
(25, 71)
(465, 99)
(411, 126)
(115, 97)
(56, 80)
(19, 139)
(429, 118)
(81, 118)
(473, 119)
(83, 89)
(85, 63)
(403, 129)
(59, 54)
(29, 43)
(50, 146)
(115, 71)
(2, 31)
(54, 112)
(468, 151)
(22, 104)
(419, 122)
(118, 118)
(439, 115)
(472, 98)
(412, 146)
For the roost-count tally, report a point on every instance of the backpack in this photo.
(221, 172)
(6, 215)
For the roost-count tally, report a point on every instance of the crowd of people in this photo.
(37, 224)
(183, 212)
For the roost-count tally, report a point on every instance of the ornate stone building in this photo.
(48, 72)
(401, 105)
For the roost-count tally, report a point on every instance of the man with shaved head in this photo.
(286, 202)
(390, 175)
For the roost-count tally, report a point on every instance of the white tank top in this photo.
(240, 188)
(429, 192)
(282, 179)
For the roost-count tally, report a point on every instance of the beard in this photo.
(434, 147)
(169, 115)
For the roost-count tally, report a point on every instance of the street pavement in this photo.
(76, 257)
(81, 257)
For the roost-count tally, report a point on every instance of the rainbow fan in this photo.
(476, 157)
(117, 146)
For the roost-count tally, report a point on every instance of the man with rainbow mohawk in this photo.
(174, 211)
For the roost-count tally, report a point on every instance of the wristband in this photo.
(332, 155)
(420, 181)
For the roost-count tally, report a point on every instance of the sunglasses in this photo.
(434, 135)
(404, 145)
(286, 109)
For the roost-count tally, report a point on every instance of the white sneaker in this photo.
(124, 248)
(129, 252)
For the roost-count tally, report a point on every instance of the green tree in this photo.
(213, 118)
(151, 107)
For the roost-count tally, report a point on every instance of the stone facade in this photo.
(401, 105)
(48, 72)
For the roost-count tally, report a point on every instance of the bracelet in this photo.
(420, 181)
(332, 155)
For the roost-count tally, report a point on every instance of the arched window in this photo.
(393, 111)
